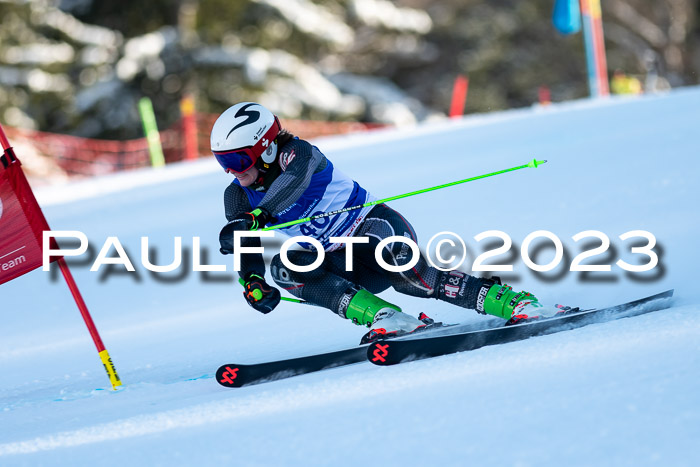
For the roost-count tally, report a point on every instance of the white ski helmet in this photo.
(243, 134)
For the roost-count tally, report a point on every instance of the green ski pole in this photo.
(534, 163)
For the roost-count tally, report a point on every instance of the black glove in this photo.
(244, 221)
(259, 294)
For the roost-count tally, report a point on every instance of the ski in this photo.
(391, 352)
(431, 342)
(234, 375)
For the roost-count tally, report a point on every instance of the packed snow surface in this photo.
(620, 393)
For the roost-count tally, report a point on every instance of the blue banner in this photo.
(567, 16)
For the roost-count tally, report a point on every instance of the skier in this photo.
(280, 178)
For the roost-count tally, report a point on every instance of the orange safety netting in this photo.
(76, 156)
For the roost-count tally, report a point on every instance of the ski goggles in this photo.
(239, 160)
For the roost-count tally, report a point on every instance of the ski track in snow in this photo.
(617, 393)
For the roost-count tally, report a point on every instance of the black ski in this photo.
(233, 375)
(396, 351)
(457, 338)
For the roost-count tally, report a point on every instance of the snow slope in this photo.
(619, 393)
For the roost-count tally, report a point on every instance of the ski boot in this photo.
(384, 319)
(515, 308)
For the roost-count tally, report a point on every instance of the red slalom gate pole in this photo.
(101, 350)
(189, 127)
(459, 96)
(81, 304)
(4, 141)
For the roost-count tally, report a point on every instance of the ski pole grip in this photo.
(534, 163)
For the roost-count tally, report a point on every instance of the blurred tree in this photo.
(130, 17)
(654, 37)
(373, 60)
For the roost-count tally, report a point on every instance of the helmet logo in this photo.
(265, 142)
(251, 116)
